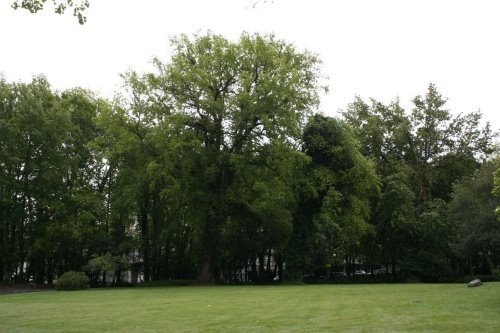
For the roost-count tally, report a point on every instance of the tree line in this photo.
(217, 163)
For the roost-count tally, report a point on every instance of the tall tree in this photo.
(238, 98)
(477, 228)
(418, 156)
(48, 205)
(334, 209)
(443, 148)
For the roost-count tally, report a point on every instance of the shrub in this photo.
(72, 281)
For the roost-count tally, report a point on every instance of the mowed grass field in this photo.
(304, 308)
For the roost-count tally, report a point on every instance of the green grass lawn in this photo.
(308, 308)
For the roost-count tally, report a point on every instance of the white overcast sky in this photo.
(374, 48)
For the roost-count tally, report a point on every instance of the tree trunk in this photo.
(3, 234)
(279, 267)
(20, 241)
(269, 254)
(205, 273)
(143, 218)
(156, 218)
(3, 242)
(394, 272)
(254, 270)
(2, 271)
(216, 217)
(39, 271)
(487, 264)
(207, 269)
(261, 266)
(50, 272)
(166, 266)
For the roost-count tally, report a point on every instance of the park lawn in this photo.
(301, 308)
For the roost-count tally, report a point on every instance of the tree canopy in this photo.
(216, 166)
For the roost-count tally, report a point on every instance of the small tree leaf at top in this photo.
(60, 6)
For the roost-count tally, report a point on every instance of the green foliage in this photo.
(50, 179)
(496, 189)
(418, 157)
(477, 228)
(439, 138)
(72, 281)
(60, 6)
(214, 167)
(334, 207)
(432, 240)
(107, 263)
(100, 267)
(244, 102)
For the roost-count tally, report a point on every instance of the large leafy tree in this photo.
(443, 149)
(49, 204)
(151, 155)
(384, 133)
(334, 206)
(477, 228)
(31, 170)
(206, 147)
(239, 98)
(418, 156)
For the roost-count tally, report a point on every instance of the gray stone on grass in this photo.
(475, 283)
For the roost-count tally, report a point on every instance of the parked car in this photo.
(360, 272)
